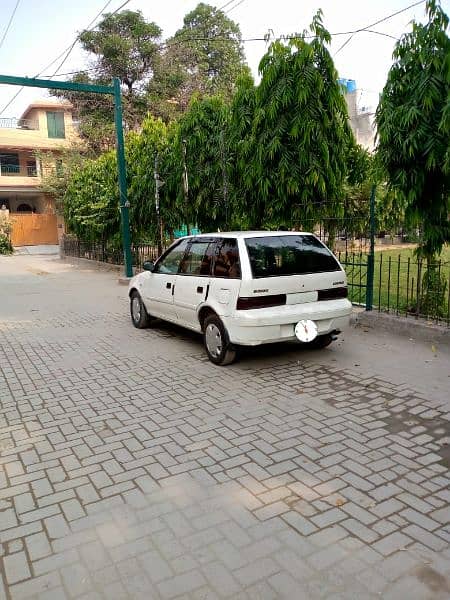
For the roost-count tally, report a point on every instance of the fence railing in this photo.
(16, 171)
(104, 252)
(14, 123)
(402, 285)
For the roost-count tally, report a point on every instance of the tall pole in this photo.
(224, 177)
(371, 256)
(185, 188)
(123, 200)
(158, 211)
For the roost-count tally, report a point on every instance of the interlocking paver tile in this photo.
(276, 477)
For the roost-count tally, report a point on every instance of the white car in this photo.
(245, 288)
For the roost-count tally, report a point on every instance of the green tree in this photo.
(91, 198)
(56, 171)
(295, 159)
(413, 121)
(205, 56)
(123, 45)
(202, 133)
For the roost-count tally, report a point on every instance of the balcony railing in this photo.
(14, 171)
(10, 170)
(13, 123)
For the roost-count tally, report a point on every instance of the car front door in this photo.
(192, 282)
(158, 288)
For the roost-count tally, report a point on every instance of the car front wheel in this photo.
(138, 311)
(218, 347)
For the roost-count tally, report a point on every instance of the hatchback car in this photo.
(245, 288)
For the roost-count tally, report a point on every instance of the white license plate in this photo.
(306, 330)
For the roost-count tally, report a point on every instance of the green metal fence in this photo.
(402, 284)
(356, 266)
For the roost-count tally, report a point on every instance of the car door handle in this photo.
(168, 285)
(199, 289)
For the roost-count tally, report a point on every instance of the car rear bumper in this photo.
(276, 324)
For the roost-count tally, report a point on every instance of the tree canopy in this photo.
(204, 57)
(280, 153)
(413, 120)
(125, 45)
(294, 157)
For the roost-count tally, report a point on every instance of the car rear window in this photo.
(279, 255)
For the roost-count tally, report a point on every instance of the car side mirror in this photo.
(148, 265)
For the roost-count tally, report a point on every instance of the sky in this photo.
(42, 29)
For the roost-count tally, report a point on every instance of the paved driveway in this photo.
(131, 467)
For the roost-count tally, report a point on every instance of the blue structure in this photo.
(349, 84)
(183, 231)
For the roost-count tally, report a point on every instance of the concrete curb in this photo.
(408, 327)
(93, 264)
(96, 264)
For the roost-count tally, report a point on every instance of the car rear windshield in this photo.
(279, 255)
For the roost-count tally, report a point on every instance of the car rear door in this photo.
(193, 281)
(226, 276)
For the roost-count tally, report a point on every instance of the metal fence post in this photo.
(371, 256)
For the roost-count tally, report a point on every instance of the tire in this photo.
(138, 312)
(321, 341)
(217, 344)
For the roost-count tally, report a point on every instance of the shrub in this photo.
(5, 235)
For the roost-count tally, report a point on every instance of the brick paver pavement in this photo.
(131, 467)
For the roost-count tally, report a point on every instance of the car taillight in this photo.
(332, 293)
(260, 301)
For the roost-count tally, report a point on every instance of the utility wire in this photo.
(226, 4)
(69, 51)
(69, 48)
(9, 23)
(233, 7)
(398, 12)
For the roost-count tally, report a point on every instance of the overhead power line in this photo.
(67, 50)
(9, 23)
(226, 4)
(369, 27)
(72, 46)
(233, 7)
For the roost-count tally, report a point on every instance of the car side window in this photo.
(227, 260)
(197, 260)
(170, 263)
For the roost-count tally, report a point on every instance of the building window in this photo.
(9, 164)
(59, 167)
(55, 124)
(31, 168)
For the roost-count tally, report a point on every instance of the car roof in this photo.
(247, 234)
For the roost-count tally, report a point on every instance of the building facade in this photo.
(362, 119)
(45, 127)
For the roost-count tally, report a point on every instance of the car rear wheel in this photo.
(139, 315)
(217, 343)
(320, 342)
